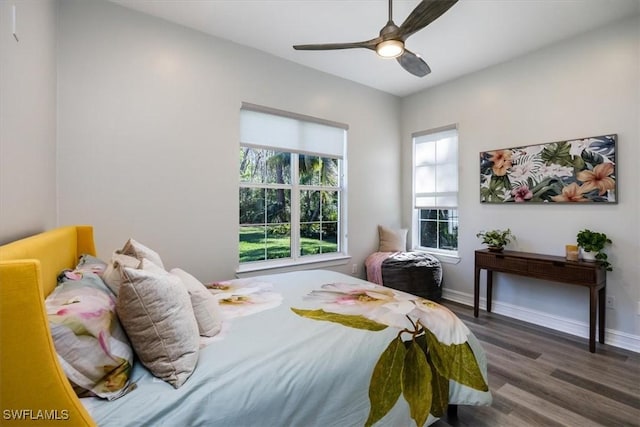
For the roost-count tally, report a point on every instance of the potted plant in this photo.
(592, 244)
(496, 240)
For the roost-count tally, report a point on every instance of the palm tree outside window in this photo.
(292, 188)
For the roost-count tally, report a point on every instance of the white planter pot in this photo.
(587, 255)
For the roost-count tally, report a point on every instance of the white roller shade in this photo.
(289, 132)
(436, 170)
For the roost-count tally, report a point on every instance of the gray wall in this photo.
(27, 119)
(582, 87)
(149, 135)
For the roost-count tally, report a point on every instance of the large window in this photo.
(435, 190)
(291, 187)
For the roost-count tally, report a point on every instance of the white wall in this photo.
(148, 135)
(27, 119)
(583, 87)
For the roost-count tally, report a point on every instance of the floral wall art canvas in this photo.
(579, 170)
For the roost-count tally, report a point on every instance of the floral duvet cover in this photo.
(315, 348)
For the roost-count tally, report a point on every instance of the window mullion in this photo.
(295, 207)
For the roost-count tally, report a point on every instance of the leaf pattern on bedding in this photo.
(350, 320)
(420, 367)
(456, 362)
(416, 383)
(386, 381)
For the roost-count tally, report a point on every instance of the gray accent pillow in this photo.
(205, 305)
(155, 310)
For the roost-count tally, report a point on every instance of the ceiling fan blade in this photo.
(425, 13)
(413, 64)
(369, 44)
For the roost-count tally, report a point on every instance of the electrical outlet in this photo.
(354, 268)
(638, 308)
(611, 301)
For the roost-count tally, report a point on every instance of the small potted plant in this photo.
(496, 240)
(592, 245)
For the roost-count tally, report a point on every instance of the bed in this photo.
(291, 361)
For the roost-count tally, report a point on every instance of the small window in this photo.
(435, 191)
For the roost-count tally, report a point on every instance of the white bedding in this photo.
(275, 368)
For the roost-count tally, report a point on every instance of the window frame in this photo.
(296, 258)
(443, 254)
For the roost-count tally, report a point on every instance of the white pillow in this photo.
(155, 310)
(113, 274)
(392, 240)
(205, 305)
(140, 251)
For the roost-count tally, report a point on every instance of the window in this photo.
(292, 191)
(435, 190)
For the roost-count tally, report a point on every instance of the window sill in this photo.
(442, 257)
(282, 266)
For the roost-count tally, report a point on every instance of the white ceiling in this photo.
(472, 35)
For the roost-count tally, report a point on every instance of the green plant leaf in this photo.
(353, 321)
(591, 158)
(439, 391)
(386, 381)
(456, 362)
(416, 383)
(557, 153)
(493, 193)
(439, 384)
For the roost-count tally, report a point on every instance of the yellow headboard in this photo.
(32, 382)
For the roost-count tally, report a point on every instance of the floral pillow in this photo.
(92, 347)
(92, 264)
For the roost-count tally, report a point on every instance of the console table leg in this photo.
(593, 301)
(489, 289)
(476, 293)
(602, 298)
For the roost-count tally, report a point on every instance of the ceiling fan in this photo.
(390, 42)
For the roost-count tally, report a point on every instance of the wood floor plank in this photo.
(542, 377)
(601, 389)
(560, 416)
(593, 406)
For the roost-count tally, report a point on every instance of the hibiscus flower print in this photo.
(599, 178)
(501, 162)
(571, 193)
(521, 194)
(581, 170)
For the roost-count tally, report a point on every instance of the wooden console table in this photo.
(548, 267)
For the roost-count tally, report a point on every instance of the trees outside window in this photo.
(290, 199)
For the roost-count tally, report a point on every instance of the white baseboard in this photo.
(558, 323)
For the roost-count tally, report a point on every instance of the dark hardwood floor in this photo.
(541, 377)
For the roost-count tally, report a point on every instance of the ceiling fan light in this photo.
(390, 48)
